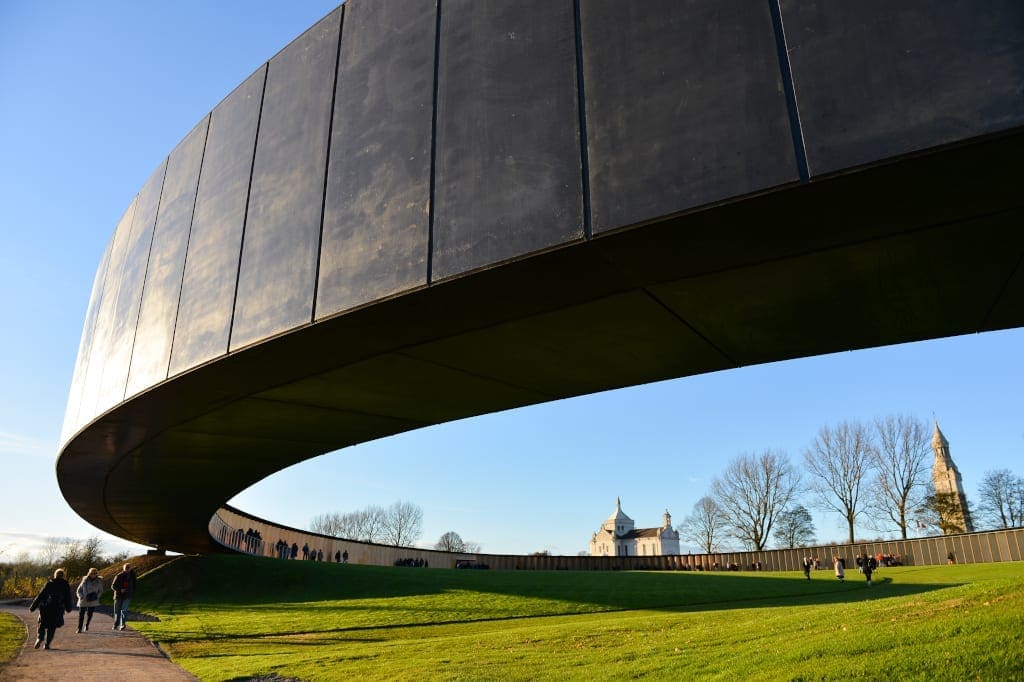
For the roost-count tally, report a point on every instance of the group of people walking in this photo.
(866, 565)
(56, 599)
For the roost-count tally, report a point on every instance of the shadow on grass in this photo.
(851, 593)
(423, 597)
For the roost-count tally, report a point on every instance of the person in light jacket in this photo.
(53, 601)
(88, 593)
(837, 562)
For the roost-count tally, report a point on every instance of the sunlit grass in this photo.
(227, 617)
(12, 637)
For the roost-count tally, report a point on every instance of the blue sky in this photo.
(92, 98)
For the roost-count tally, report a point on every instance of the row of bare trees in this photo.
(400, 525)
(1001, 495)
(878, 472)
(24, 575)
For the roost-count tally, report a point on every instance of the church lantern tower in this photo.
(951, 501)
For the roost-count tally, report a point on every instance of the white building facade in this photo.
(619, 536)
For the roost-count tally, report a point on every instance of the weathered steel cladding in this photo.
(377, 208)
(85, 345)
(389, 228)
(876, 79)
(124, 285)
(215, 242)
(684, 106)
(280, 249)
(508, 171)
(151, 347)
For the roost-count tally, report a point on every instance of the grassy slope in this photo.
(12, 636)
(225, 617)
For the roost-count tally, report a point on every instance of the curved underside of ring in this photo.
(410, 216)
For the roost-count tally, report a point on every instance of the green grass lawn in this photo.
(12, 636)
(232, 616)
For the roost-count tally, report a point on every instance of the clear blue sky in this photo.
(92, 98)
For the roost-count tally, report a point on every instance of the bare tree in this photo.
(450, 542)
(52, 550)
(369, 524)
(795, 527)
(900, 457)
(839, 460)
(1001, 499)
(365, 525)
(705, 525)
(403, 524)
(327, 524)
(752, 492)
(471, 547)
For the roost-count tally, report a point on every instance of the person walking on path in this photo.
(88, 593)
(124, 589)
(53, 601)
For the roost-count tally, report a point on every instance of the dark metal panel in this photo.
(103, 327)
(985, 547)
(151, 352)
(282, 232)
(991, 539)
(963, 550)
(971, 548)
(684, 106)
(375, 236)
(904, 288)
(1013, 541)
(129, 281)
(1001, 546)
(85, 346)
(211, 266)
(273, 420)
(1006, 310)
(508, 168)
(398, 386)
(582, 349)
(876, 78)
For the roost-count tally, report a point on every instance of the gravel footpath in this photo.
(99, 654)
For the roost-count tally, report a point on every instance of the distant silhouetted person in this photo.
(807, 567)
(337, 557)
(867, 568)
(305, 551)
(123, 586)
(53, 601)
(295, 550)
(88, 592)
(951, 558)
(838, 564)
(344, 556)
(319, 555)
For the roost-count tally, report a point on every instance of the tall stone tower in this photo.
(949, 488)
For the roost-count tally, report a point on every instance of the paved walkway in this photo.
(99, 654)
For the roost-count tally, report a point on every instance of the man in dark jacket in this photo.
(123, 586)
(53, 601)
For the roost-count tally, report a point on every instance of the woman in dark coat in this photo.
(53, 601)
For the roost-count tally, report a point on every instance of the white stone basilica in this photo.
(618, 536)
